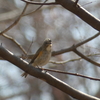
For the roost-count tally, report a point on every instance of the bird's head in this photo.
(47, 43)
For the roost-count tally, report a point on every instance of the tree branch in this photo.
(10, 38)
(80, 12)
(74, 74)
(35, 10)
(66, 61)
(7, 55)
(40, 3)
(54, 53)
(75, 8)
(86, 58)
(16, 21)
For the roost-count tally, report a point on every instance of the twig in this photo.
(87, 40)
(38, 3)
(75, 74)
(87, 3)
(16, 21)
(29, 48)
(63, 62)
(86, 58)
(73, 48)
(76, 2)
(48, 78)
(10, 38)
(54, 53)
(36, 9)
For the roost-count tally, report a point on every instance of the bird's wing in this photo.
(37, 54)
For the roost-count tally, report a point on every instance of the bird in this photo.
(42, 55)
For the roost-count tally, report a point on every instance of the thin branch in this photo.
(76, 2)
(86, 58)
(87, 40)
(10, 38)
(38, 3)
(16, 21)
(81, 13)
(28, 49)
(74, 74)
(7, 55)
(22, 14)
(54, 53)
(63, 62)
(36, 9)
(73, 48)
(66, 61)
(88, 3)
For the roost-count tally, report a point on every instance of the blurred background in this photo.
(64, 29)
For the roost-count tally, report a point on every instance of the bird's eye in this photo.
(49, 40)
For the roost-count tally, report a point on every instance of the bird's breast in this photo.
(42, 59)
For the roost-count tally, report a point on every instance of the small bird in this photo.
(42, 56)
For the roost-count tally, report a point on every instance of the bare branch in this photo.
(63, 62)
(88, 3)
(16, 21)
(76, 2)
(7, 55)
(10, 38)
(87, 40)
(81, 13)
(38, 3)
(78, 10)
(74, 74)
(16, 13)
(86, 58)
(35, 10)
(54, 53)
(73, 48)
(71, 60)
